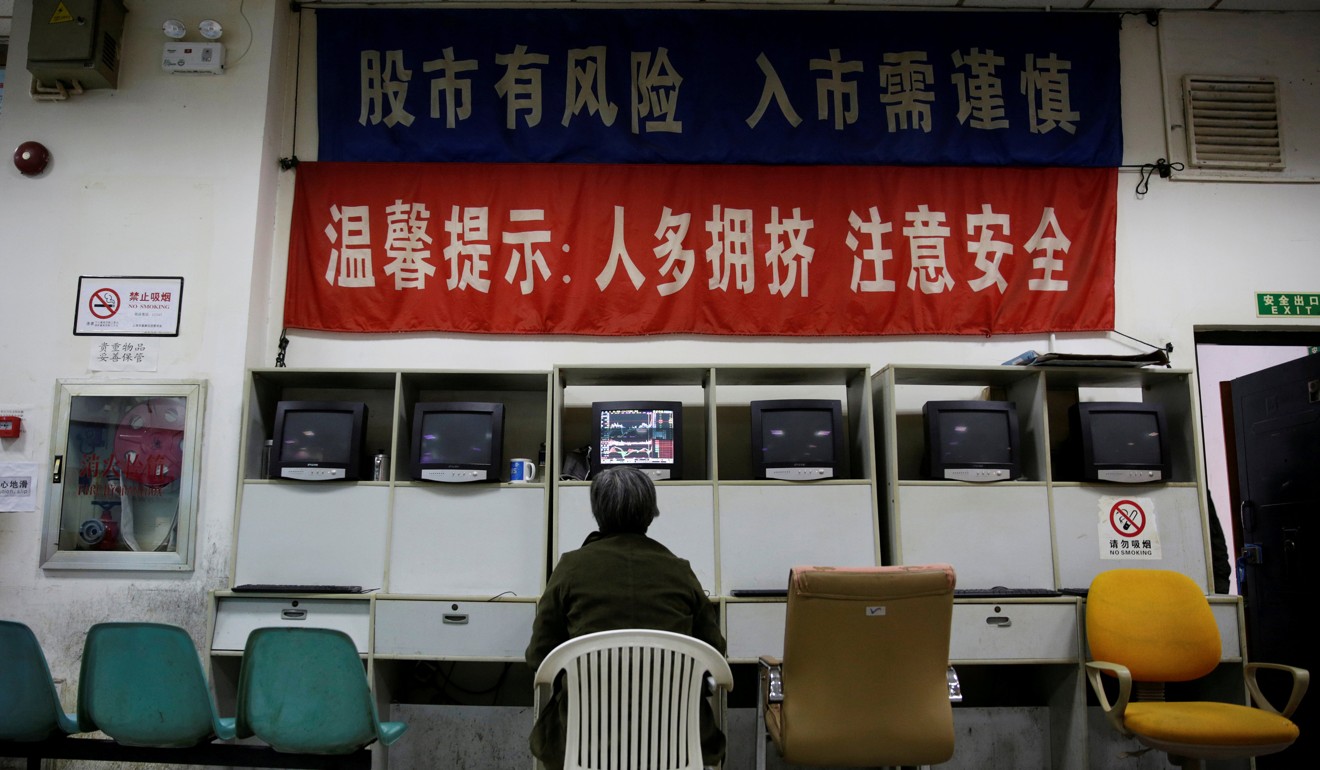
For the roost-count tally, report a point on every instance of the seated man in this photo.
(619, 578)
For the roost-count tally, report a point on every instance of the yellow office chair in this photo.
(1155, 626)
(865, 677)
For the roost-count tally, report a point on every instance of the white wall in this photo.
(168, 175)
(176, 175)
(1195, 44)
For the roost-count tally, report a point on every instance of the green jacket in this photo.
(617, 581)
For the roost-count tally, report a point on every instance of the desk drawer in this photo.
(236, 617)
(1014, 630)
(754, 628)
(453, 629)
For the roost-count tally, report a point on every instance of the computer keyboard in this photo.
(1002, 592)
(273, 588)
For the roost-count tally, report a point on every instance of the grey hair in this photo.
(623, 500)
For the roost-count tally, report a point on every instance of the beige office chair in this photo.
(1149, 627)
(865, 678)
(633, 697)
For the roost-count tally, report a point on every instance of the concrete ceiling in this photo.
(1039, 5)
(7, 6)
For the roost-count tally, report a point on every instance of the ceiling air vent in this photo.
(1233, 122)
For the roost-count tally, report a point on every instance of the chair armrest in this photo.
(541, 693)
(1095, 671)
(1301, 679)
(772, 678)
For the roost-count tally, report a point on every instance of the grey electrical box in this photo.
(76, 41)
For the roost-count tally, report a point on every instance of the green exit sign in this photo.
(1283, 303)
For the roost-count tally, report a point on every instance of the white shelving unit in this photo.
(738, 532)
(457, 568)
(1021, 658)
(452, 571)
(447, 561)
(1041, 531)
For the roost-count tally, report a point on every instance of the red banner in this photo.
(735, 250)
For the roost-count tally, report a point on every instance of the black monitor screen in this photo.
(1126, 438)
(797, 435)
(460, 438)
(636, 436)
(317, 437)
(975, 437)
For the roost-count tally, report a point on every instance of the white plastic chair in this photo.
(633, 698)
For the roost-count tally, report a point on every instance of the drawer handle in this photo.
(456, 618)
(293, 614)
(999, 620)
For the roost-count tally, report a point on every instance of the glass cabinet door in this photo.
(123, 491)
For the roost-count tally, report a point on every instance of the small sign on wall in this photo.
(1283, 303)
(128, 306)
(115, 356)
(18, 486)
(1127, 528)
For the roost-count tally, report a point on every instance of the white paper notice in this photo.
(132, 356)
(18, 487)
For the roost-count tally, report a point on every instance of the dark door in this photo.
(1276, 419)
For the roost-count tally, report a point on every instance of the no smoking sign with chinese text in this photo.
(1126, 528)
(128, 306)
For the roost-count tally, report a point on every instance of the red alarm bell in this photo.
(31, 158)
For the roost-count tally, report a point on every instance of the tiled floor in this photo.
(494, 738)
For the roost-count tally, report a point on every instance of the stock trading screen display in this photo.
(637, 436)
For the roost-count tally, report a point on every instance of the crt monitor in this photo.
(457, 441)
(644, 434)
(972, 440)
(1122, 441)
(798, 439)
(318, 440)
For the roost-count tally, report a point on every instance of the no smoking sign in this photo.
(128, 306)
(1127, 518)
(104, 303)
(1126, 528)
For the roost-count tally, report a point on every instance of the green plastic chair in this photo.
(143, 684)
(304, 690)
(30, 708)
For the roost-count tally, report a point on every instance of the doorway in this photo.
(1223, 355)
(1260, 414)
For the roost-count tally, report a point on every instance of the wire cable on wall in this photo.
(1162, 167)
(292, 160)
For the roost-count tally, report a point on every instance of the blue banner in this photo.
(722, 86)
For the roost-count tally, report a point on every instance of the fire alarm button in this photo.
(10, 425)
